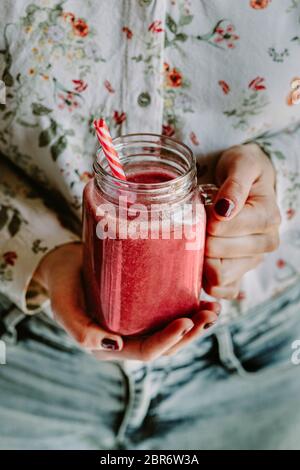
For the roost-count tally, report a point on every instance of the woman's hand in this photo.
(60, 273)
(244, 222)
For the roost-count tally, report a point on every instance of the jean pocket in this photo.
(265, 338)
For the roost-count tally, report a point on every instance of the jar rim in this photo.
(142, 138)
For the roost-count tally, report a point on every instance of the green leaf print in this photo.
(45, 138)
(53, 126)
(55, 14)
(25, 123)
(14, 224)
(279, 155)
(294, 4)
(31, 8)
(185, 20)
(39, 109)
(138, 58)
(177, 28)
(181, 37)
(278, 56)
(3, 216)
(171, 24)
(58, 147)
(7, 115)
(37, 246)
(7, 78)
(251, 104)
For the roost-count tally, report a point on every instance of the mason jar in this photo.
(144, 237)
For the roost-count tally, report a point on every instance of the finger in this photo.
(203, 320)
(212, 306)
(84, 331)
(67, 301)
(259, 215)
(157, 344)
(236, 173)
(222, 272)
(150, 348)
(239, 247)
(229, 292)
(206, 317)
(131, 349)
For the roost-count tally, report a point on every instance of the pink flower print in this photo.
(119, 117)
(194, 138)
(285, 270)
(80, 27)
(290, 213)
(294, 95)
(85, 176)
(226, 35)
(127, 32)
(241, 296)
(280, 263)
(168, 130)
(10, 257)
(69, 17)
(155, 27)
(109, 87)
(257, 84)
(225, 87)
(79, 85)
(68, 100)
(221, 35)
(259, 4)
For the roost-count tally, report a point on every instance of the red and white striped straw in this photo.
(109, 150)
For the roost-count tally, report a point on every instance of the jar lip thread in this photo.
(144, 138)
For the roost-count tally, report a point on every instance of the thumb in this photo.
(237, 174)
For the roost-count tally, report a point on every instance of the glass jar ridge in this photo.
(149, 152)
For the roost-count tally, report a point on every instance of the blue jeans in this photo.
(235, 388)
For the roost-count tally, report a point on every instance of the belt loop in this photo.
(226, 352)
(9, 323)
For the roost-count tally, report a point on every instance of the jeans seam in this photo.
(227, 355)
(131, 405)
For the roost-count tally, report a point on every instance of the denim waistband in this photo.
(256, 320)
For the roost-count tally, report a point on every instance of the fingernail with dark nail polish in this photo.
(208, 325)
(109, 344)
(224, 207)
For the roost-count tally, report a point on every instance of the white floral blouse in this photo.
(212, 73)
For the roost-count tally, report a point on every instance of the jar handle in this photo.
(208, 193)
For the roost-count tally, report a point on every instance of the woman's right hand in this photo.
(60, 273)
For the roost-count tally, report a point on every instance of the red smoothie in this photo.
(136, 286)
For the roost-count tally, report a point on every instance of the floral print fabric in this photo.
(213, 74)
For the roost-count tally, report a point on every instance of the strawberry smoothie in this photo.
(136, 286)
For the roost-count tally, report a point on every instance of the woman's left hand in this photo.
(244, 222)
